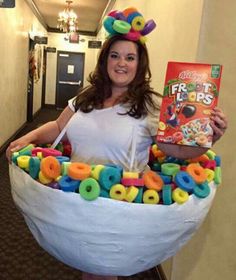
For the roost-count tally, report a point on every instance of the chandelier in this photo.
(67, 20)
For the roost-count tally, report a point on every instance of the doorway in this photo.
(70, 76)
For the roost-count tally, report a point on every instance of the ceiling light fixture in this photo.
(68, 20)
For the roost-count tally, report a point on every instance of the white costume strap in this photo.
(59, 137)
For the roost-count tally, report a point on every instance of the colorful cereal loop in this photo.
(64, 167)
(67, 184)
(89, 189)
(151, 197)
(139, 197)
(50, 167)
(132, 16)
(118, 192)
(149, 26)
(128, 11)
(170, 168)
(132, 35)
(121, 26)
(217, 178)
(23, 161)
(152, 180)
(43, 179)
(34, 167)
(139, 182)
(79, 170)
(108, 24)
(197, 172)
(167, 194)
(26, 150)
(134, 175)
(131, 193)
(192, 96)
(210, 174)
(202, 190)
(108, 177)
(138, 23)
(184, 181)
(96, 171)
(180, 196)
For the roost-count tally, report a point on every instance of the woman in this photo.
(115, 119)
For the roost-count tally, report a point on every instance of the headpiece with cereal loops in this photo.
(129, 23)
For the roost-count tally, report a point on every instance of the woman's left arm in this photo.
(218, 123)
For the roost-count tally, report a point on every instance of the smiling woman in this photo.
(114, 121)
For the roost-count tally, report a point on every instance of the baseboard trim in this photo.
(160, 272)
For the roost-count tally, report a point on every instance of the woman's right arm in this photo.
(45, 134)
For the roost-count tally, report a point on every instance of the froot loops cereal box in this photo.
(190, 93)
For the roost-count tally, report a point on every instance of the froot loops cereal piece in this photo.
(211, 154)
(170, 168)
(202, 190)
(152, 180)
(139, 197)
(210, 174)
(79, 170)
(131, 193)
(192, 96)
(89, 189)
(180, 196)
(26, 150)
(151, 197)
(95, 172)
(139, 182)
(149, 26)
(43, 179)
(51, 152)
(64, 167)
(217, 178)
(197, 172)
(67, 184)
(167, 194)
(184, 181)
(118, 192)
(121, 26)
(134, 175)
(23, 161)
(138, 23)
(50, 167)
(129, 11)
(34, 167)
(201, 140)
(108, 177)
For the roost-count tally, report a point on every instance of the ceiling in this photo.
(90, 13)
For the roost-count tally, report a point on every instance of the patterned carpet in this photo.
(21, 258)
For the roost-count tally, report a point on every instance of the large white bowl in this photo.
(105, 236)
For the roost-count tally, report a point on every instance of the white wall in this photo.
(15, 25)
(211, 254)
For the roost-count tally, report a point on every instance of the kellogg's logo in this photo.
(193, 75)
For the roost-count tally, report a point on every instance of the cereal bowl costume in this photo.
(107, 236)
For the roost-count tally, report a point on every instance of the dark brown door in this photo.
(70, 76)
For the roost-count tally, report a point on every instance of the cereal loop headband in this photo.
(129, 23)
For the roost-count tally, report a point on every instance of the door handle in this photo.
(70, 83)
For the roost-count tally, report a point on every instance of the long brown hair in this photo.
(139, 96)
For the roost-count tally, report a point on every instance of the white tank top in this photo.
(105, 137)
